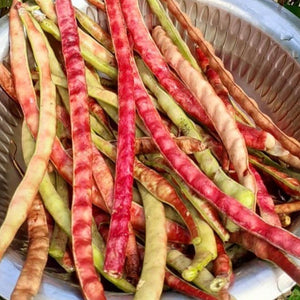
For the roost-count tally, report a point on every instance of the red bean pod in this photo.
(182, 286)
(289, 184)
(202, 60)
(265, 201)
(99, 4)
(287, 208)
(222, 267)
(188, 145)
(118, 232)
(264, 250)
(256, 138)
(82, 153)
(6, 82)
(66, 261)
(97, 110)
(31, 275)
(63, 116)
(103, 178)
(132, 261)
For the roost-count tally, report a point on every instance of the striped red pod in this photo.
(120, 218)
(82, 154)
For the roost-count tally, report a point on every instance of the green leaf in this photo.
(5, 3)
(293, 6)
(295, 295)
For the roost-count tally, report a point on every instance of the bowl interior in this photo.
(260, 65)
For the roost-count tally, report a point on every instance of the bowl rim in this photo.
(260, 277)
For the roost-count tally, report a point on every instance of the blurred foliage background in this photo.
(4, 7)
(294, 7)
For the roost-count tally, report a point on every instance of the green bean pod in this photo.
(150, 287)
(98, 128)
(204, 279)
(172, 31)
(59, 238)
(58, 243)
(205, 249)
(48, 8)
(94, 29)
(56, 206)
(172, 214)
(266, 160)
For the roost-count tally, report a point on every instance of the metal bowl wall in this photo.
(259, 43)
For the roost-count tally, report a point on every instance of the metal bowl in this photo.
(259, 42)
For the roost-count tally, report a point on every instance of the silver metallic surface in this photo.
(259, 42)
